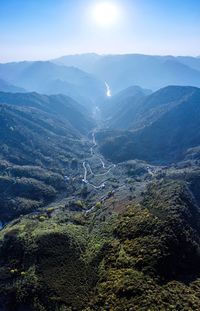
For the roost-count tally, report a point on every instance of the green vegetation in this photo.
(146, 258)
(159, 128)
(36, 152)
(133, 245)
(98, 205)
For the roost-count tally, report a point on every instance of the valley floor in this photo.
(90, 235)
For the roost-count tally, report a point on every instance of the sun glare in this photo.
(105, 13)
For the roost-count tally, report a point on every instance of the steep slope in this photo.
(146, 258)
(166, 124)
(49, 78)
(116, 106)
(59, 106)
(38, 148)
(140, 111)
(154, 258)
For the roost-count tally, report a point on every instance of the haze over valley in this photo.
(99, 156)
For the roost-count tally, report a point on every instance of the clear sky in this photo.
(45, 29)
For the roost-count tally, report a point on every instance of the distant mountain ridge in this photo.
(83, 76)
(7, 87)
(48, 78)
(147, 71)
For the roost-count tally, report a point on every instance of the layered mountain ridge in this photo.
(99, 196)
(48, 78)
(161, 127)
(147, 71)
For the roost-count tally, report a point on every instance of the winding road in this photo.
(87, 166)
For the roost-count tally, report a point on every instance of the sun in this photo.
(105, 13)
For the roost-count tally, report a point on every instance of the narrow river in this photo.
(86, 165)
(108, 90)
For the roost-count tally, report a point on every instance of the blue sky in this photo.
(44, 29)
